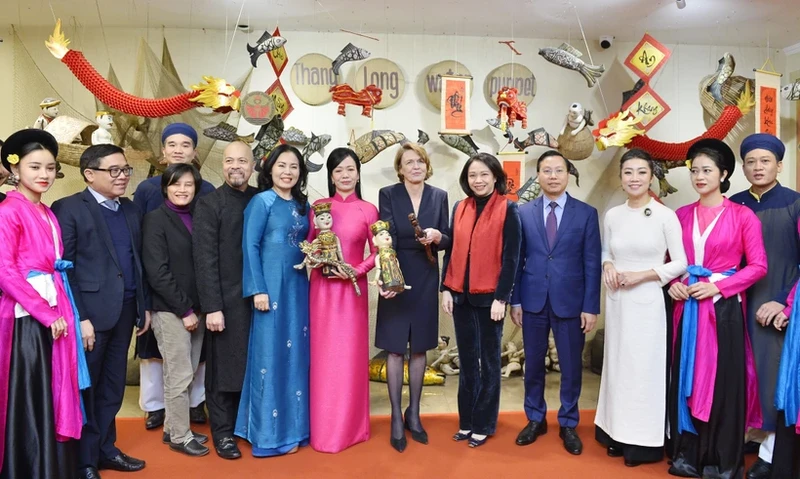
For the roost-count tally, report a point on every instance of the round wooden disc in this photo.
(432, 83)
(512, 75)
(386, 75)
(312, 78)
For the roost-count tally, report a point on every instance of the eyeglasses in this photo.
(114, 171)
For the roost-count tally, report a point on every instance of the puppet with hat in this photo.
(326, 250)
(388, 275)
(49, 108)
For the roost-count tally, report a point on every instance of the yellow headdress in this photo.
(321, 208)
(379, 226)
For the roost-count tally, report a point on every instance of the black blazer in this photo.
(169, 263)
(96, 279)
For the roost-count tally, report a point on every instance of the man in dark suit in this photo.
(558, 288)
(102, 236)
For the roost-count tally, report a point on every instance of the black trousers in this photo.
(478, 339)
(107, 364)
(222, 409)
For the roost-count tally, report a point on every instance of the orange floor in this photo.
(441, 458)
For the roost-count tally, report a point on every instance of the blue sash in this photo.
(787, 391)
(689, 320)
(84, 380)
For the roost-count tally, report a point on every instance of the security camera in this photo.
(606, 41)
(681, 3)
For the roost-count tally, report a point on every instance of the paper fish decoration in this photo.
(422, 137)
(226, 132)
(791, 91)
(368, 145)
(315, 145)
(295, 137)
(267, 137)
(567, 56)
(725, 68)
(265, 44)
(462, 143)
(350, 53)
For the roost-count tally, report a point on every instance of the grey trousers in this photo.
(181, 352)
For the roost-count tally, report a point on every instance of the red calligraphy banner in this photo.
(768, 112)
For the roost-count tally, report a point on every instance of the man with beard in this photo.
(778, 208)
(217, 244)
(179, 142)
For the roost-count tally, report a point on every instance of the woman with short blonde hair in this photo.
(412, 318)
(419, 150)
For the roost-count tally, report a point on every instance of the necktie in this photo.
(551, 225)
(111, 204)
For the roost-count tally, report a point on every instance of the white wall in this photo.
(203, 52)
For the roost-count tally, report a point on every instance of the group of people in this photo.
(697, 306)
(704, 295)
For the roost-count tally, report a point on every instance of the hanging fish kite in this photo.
(265, 44)
(568, 57)
(315, 145)
(350, 53)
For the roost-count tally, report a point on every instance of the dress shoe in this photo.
(419, 436)
(198, 414)
(477, 442)
(227, 448)
(529, 434)
(190, 447)
(122, 462)
(154, 419)
(201, 438)
(572, 443)
(760, 469)
(399, 444)
(614, 451)
(460, 436)
(88, 473)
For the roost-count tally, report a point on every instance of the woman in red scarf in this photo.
(476, 288)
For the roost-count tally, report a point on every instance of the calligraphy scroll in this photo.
(768, 105)
(278, 57)
(513, 164)
(454, 111)
(647, 57)
(648, 106)
(283, 106)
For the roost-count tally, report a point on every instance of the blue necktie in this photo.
(551, 225)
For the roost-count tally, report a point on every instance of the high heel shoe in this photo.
(419, 436)
(399, 444)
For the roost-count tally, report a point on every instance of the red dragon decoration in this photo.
(622, 130)
(213, 93)
(511, 108)
(367, 97)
